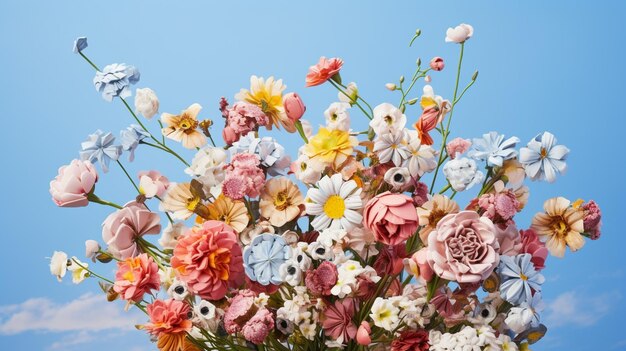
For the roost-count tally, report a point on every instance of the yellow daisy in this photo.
(281, 201)
(560, 226)
(268, 95)
(330, 147)
(233, 213)
(184, 127)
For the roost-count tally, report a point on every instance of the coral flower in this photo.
(427, 122)
(338, 324)
(268, 95)
(431, 212)
(184, 127)
(209, 260)
(560, 226)
(324, 70)
(391, 217)
(281, 201)
(135, 277)
(169, 323)
(233, 213)
(330, 147)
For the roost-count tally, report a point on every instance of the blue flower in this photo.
(99, 147)
(493, 148)
(542, 158)
(264, 256)
(272, 155)
(131, 137)
(518, 276)
(114, 80)
(80, 44)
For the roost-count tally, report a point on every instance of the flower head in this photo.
(209, 260)
(387, 118)
(241, 119)
(243, 177)
(422, 158)
(338, 324)
(330, 147)
(432, 211)
(80, 44)
(99, 147)
(58, 264)
(184, 127)
(131, 137)
(324, 70)
(543, 158)
(457, 146)
(294, 107)
(526, 315)
(136, 276)
(533, 246)
(114, 81)
(264, 256)
(146, 102)
(349, 94)
(122, 228)
(593, 219)
(152, 183)
(182, 201)
(519, 279)
(322, 279)
(334, 203)
(268, 95)
(411, 340)
(306, 171)
(459, 34)
(231, 212)
(462, 173)
(73, 184)
(208, 166)
(391, 217)
(168, 317)
(337, 116)
(493, 148)
(385, 314)
(281, 201)
(392, 146)
(272, 155)
(560, 226)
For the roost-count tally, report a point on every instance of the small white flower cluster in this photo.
(207, 167)
(388, 313)
(299, 311)
(347, 273)
(470, 339)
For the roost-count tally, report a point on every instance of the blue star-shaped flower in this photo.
(493, 148)
(99, 147)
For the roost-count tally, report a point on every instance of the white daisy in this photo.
(334, 203)
(392, 146)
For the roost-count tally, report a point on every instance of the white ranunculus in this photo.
(459, 34)
(207, 166)
(387, 118)
(146, 102)
(58, 264)
(462, 173)
(337, 116)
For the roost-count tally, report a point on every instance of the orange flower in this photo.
(324, 70)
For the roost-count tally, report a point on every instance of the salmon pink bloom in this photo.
(391, 217)
(208, 259)
(427, 122)
(363, 334)
(169, 322)
(122, 228)
(338, 324)
(135, 277)
(324, 70)
(294, 107)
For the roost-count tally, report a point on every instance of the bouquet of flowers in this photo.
(355, 243)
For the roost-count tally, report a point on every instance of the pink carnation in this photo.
(72, 185)
(122, 228)
(593, 219)
(135, 277)
(258, 327)
(391, 217)
(499, 207)
(244, 177)
(241, 118)
(337, 322)
(168, 317)
(320, 280)
(463, 247)
(457, 146)
(535, 247)
(240, 311)
(208, 259)
(323, 71)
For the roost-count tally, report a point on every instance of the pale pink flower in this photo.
(509, 240)
(418, 266)
(152, 183)
(459, 34)
(122, 228)
(70, 188)
(391, 217)
(436, 63)
(323, 71)
(209, 260)
(500, 207)
(458, 146)
(363, 334)
(259, 326)
(592, 222)
(135, 277)
(535, 247)
(463, 247)
(241, 118)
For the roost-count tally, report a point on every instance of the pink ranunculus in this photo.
(323, 71)
(363, 334)
(320, 280)
(391, 217)
(72, 185)
(153, 183)
(593, 219)
(209, 260)
(463, 247)
(168, 317)
(122, 228)
(259, 326)
(135, 277)
(535, 247)
(337, 322)
(294, 107)
(437, 63)
(457, 146)
(509, 240)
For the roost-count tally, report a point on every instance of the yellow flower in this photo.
(560, 226)
(281, 201)
(184, 127)
(233, 213)
(330, 147)
(268, 95)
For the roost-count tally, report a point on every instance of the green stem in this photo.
(445, 188)
(92, 272)
(129, 177)
(356, 100)
(93, 198)
(89, 61)
(298, 125)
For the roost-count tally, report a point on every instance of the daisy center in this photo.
(335, 207)
(543, 152)
(333, 117)
(523, 277)
(560, 227)
(192, 203)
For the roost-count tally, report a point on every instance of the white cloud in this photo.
(579, 309)
(87, 313)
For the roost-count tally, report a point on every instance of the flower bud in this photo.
(363, 334)
(428, 79)
(294, 107)
(475, 75)
(437, 63)
(390, 86)
(401, 79)
(419, 61)
(91, 249)
(412, 101)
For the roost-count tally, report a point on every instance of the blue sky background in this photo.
(554, 66)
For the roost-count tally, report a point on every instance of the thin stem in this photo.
(129, 177)
(355, 102)
(89, 61)
(93, 198)
(92, 272)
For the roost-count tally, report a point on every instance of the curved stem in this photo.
(92, 272)
(93, 198)
(355, 102)
(129, 177)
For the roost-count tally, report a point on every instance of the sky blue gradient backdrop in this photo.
(556, 66)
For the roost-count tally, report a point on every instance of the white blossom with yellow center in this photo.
(385, 314)
(334, 203)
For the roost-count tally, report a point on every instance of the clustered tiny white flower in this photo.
(462, 173)
(301, 310)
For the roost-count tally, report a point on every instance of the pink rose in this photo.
(457, 146)
(323, 71)
(70, 188)
(320, 280)
(437, 63)
(463, 247)
(391, 217)
(168, 317)
(294, 107)
(135, 277)
(122, 228)
(535, 247)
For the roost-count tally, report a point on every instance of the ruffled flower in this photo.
(280, 201)
(268, 95)
(535, 247)
(122, 228)
(146, 102)
(459, 34)
(99, 147)
(243, 177)
(330, 147)
(263, 258)
(306, 171)
(462, 173)
(242, 118)
(131, 137)
(135, 277)
(457, 146)
(272, 155)
(169, 322)
(337, 116)
(411, 340)
(208, 166)
(114, 81)
(184, 127)
(209, 260)
(561, 226)
(322, 279)
(334, 203)
(73, 184)
(593, 219)
(324, 70)
(391, 217)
